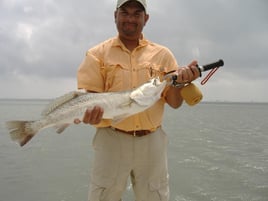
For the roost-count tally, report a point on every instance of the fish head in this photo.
(148, 93)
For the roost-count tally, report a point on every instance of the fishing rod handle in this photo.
(201, 69)
(210, 66)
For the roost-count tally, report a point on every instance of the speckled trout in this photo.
(61, 112)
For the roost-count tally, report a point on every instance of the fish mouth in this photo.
(157, 82)
(171, 78)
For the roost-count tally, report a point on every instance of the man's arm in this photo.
(185, 74)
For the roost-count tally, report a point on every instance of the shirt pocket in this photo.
(146, 71)
(117, 77)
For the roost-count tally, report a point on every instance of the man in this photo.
(136, 146)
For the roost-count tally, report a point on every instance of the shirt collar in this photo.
(142, 42)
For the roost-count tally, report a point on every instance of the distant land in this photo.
(202, 102)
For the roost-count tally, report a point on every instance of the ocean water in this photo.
(217, 152)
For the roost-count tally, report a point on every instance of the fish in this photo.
(62, 111)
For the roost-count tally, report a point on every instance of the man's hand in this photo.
(91, 117)
(188, 73)
(185, 74)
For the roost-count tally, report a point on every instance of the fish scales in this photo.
(61, 112)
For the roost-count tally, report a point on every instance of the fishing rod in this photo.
(189, 92)
(201, 69)
(210, 66)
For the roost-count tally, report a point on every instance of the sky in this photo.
(43, 42)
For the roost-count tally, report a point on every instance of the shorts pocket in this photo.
(159, 189)
(100, 186)
(98, 192)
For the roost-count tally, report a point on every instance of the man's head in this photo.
(142, 2)
(130, 18)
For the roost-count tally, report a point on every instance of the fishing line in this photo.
(209, 75)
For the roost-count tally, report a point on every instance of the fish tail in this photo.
(21, 131)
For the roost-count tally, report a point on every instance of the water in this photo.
(217, 152)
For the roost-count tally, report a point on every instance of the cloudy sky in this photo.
(43, 42)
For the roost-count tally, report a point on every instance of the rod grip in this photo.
(201, 69)
(211, 65)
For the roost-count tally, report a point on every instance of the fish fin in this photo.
(60, 101)
(20, 131)
(126, 104)
(60, 128)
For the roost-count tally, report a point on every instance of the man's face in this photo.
(130, 20)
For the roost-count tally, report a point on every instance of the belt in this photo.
(137, 133)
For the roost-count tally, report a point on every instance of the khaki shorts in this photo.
(119, 156)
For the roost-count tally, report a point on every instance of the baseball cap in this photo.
(121, 2)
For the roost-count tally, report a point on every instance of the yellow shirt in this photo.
(111, 67)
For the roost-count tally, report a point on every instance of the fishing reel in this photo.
(190, 92)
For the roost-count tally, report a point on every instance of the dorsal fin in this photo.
(60, 101)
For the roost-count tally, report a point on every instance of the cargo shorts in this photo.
(119, 156)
